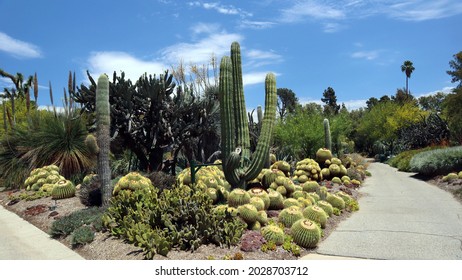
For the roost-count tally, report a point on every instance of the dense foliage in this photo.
(182, 217)
(439, 161)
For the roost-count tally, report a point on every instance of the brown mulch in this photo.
(44, 211)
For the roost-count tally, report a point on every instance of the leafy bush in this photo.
(403, 159)
(182, 217)
(82, 236)
(430, 130)
(68, 224)
(436, 162)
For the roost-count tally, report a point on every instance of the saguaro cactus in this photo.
(103, 122)
(239, 165)
(327, 136)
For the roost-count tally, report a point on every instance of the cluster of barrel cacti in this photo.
(132, 181)
(210, 179)
(43, 178)
(452, 176)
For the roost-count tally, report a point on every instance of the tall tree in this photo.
(287, 102)
(329, 97)
(456, 73)
(407, 68)
(432, 103)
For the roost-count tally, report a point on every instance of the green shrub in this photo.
(403, 159)
(182, 218)
(81, 236)
(68, 224)
(436, 162)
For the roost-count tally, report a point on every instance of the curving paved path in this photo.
(399, 218)
(20, 240)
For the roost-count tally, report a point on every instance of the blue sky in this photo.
(356, 47)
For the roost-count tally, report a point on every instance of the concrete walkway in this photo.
(19, 240)
(400, 218)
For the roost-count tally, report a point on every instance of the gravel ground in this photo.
(42, 212)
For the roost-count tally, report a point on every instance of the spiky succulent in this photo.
(288, 202)
(276, 200)
(316, 214)
(346, 197)
(262, 217)
(306, 233)
(238, 197)
(248, 213)
(262, 194)
(132, 181)
(336, 201)
(310, 186)
(273, 233)
(326, 206)
(258, 203)
(290, 215)
(63, 189)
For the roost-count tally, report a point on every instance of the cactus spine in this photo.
(103, 122)
(237, 166)
(327, 136)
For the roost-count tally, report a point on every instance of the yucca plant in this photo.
(56, 140)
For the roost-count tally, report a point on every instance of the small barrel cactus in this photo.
(316, 214)
(248, 213)
(238, 197)
(63, 189)
(290, 215)
(306, 233)
(273, 233)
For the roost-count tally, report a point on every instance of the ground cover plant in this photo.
(437, 162)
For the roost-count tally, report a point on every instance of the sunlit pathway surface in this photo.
(400, 217)
(20, 240)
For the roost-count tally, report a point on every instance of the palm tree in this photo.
(407, 68)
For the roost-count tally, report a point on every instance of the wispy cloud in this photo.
(18, 48)
(443, 90)
(422, 10)
(333, 14)
(303, 10)
(201, 51)
(110, 61)
(369, 55)
(256, 24)
(222, 9)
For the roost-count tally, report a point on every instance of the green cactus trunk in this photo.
(327, 136)
(103, 122)
(239, 165)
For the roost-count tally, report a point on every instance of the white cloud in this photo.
(421, 10)
(332, 14)
(443, 90)
(18, 48)
(256, 24)
(369, 55)
(354, 104)
(259, 54)
(222, 9)
(108, 62)
(201, 51)
(207, 28)
(254, 78)
(311, 9)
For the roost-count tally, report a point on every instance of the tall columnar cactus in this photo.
(327, 136)
(239, 165)
(103, 122)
